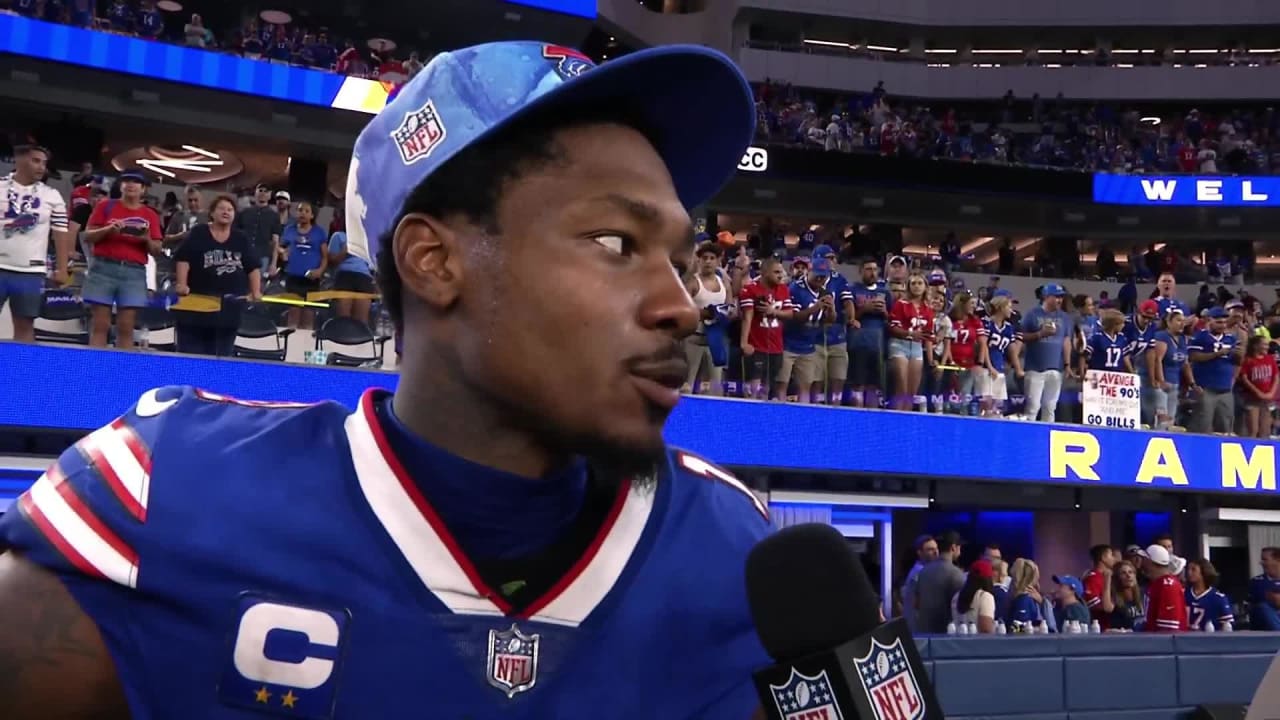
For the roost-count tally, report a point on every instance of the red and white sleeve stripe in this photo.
(72, 527)
(697, 465)
(119, 455)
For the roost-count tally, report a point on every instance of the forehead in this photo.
(599, 164)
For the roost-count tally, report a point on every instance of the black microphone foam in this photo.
(807, 591)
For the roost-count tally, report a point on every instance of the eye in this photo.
(617, 244)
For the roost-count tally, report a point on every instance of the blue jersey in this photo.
(1106, 352)
(278, 559)
(306, 250)
(802, 336)
(1024, 609)
(871, 320)
(1175, 355)
(1139, 340)
(1211, 606)
(998, 341)
(1090, 324)
(1219, 373)
(1165, 304)
(837, 332)
(1263, 615)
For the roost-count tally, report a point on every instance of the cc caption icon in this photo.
(754, 160)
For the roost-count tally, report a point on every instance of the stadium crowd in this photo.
(902, 333)
(1122, 590)
(1025, 131)
(288, 42)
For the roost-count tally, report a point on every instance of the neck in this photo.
(22, 178)
(220, 226)
(130, 203)
(304, 226)
(1199, 587)
(707, 274)
(447, 413)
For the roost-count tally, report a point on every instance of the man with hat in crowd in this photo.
(124, 232)
(814, 310)
(261, 224)
(833, 355)
(1166, 596)
(1069, 602)
(505, 535)
(1214, 353)
(1046, 338)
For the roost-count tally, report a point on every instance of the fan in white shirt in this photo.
(31, 210)
(975, 604)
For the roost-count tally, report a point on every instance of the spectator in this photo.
(763, 306)
(1097, 583)
(1025, 598)
(1069, 602)
(216, 259)
(1000, 582)
(186, 217)
(305, 250)
(1168, 367)
(833, 354)
(1213, 369)
(1129, 613)
(926, 548)
(1108, 349)
(872, 303)
(31, 211)
(1258, 386)
(1004, 345)
(1046, 334)
(1205, 603)
(1166, 597)
(261, 224)
(812, 306)
(910, 327)
(710, 292)
(352, 274)
(124, 233)
(1264, 593)
(938, 583)
(1085, 316)
(968, 352)
(975, 603)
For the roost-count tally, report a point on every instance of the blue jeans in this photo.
(112, 282)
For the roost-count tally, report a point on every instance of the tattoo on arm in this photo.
(53, 664)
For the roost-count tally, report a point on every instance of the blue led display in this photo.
(1186, 190)
(580, 8)
(82, 389)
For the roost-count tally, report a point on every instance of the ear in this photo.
(429, 259)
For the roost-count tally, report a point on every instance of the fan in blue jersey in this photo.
(1108, 348)
(1264, 593)
(505, 536)
(1004, 341)
(1206, 605)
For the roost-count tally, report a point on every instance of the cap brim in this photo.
(694, 99)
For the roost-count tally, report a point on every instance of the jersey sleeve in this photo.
(731, 491)
(87, 514)
(1093, 585)
(57, 212)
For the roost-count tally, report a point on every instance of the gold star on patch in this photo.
(261, 695)
(288, 699)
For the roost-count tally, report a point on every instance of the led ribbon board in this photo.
(70, 394)
(1186, 190)
(189, 66)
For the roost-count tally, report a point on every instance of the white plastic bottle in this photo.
(1208, 626)
(951, 628)
(973, 628)
(1000, 628)
(1095, 627)
(962, 629)
(1227, 626)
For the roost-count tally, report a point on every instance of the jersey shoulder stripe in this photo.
(120, 457)
(705, 468)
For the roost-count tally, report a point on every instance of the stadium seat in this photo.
(351, 333)
(62, 319)
(159, 320)
(256, 325)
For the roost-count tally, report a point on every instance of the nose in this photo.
(666, 305)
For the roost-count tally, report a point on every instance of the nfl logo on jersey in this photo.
(420, 132)
(513, 660)
(891, 686)
(806, 697)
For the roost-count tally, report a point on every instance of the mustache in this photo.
(666, 355)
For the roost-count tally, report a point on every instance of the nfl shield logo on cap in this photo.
(889, 682)
(512, 666)
(805, 696)
(418, 133)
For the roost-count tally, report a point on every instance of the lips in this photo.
(660, 382)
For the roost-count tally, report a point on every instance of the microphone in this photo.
(818, 618)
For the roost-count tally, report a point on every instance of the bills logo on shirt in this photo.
(806, 697)
(570, 63)
(512, 665)
(420, 132)
(889, 682)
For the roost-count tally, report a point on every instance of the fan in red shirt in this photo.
(910, 341)
(123, 232)
(968, 348)
(1097, 595)
(1187, 156)
(1258, 387)
(1166, 597)
(764, 305)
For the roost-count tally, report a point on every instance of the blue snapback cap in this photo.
(694, 98)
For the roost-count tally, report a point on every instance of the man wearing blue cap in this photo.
(1046, 337)
(508, 535)
(1214, 356)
